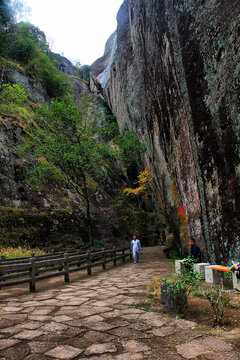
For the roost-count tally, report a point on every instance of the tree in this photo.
(10, 12)
(144, 180)
(66, 152)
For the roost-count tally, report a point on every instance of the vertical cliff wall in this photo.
(171, 74)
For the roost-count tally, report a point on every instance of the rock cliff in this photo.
(170, 73)
(50, 216)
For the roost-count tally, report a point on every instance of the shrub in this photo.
(154, 288)
(98, 244)
(84, 72)
(219, 301)
(13, 103)
(179, 290)
(55, 82)
(13, 94)
(11, 252)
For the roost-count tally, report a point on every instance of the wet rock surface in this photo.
(104, 322)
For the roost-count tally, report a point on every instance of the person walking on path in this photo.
(135, 248)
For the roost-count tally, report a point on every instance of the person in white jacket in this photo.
(135, 248)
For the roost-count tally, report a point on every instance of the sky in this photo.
(76, 29)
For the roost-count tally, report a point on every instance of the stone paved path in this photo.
(96, 318)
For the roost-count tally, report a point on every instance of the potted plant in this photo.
(174, 293)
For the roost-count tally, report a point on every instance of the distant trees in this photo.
(26, 44)
(10, 13)
(83, 71)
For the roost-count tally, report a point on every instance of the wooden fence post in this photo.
(89, 269)
(66, 267)
(32, 275)
(1, 263)
(104, 259)
(0, 273)
(79, 260)
(114, 257)
(123, 257)
(37, 267)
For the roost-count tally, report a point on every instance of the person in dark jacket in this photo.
(195, 251)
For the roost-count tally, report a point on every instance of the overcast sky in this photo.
(78, 29)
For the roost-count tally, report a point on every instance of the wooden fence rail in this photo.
(4, 260)
(33, 269)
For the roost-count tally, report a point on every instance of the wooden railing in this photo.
(30, 270)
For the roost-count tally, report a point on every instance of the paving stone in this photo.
(156, 322)
(101, 349)
(184, 324)
(140, 326)
(28, 334)
(31, 303)
(15, 317)
(6, 343)
(40, 347)
(113, 313)
(217, 344)
(17, 352)
(164, 331)
(130, 316)
(39, 317)
(223, 356)
(13, 309)
(99, 337)
(101, 303)
(130, 356)
(102, 326)
(43, 311)
(75, 302)
(62, 318)
(100, 357)
(134, 346)
(12, 329)
(5, 323)
(36, 357)
(32, 325)
(73, 331)
(192, 349)
(92, 319)
(27, 310)
(54, 327)
(124, 332)
(58, 338)
(231, 335)
(65, 352)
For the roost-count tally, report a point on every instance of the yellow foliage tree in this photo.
(144, 179)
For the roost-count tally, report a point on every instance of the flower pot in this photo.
(176, 300)
(163, 297)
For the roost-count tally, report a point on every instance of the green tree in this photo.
(84, 72)
(10, 12)
(54, 81)
(66, 152)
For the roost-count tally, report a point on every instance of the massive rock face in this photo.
(173, 78)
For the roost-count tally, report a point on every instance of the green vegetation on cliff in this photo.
(26, 44)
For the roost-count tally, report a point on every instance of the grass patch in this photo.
(19, 252)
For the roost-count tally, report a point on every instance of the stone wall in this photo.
(173, 78)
